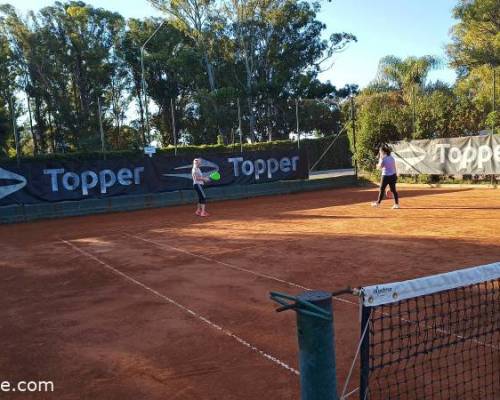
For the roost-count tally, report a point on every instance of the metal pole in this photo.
(14, 129)
(297, 119)
(173, 125)
(353, 120)
(143, 47)
(316, 337)
(148, 133)
(413, 110)
(103, 147)
(494, 99)
(239, 126)
(365, 354)
(492, 180)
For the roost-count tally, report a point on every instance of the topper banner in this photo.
(474, 155)
(52, 181)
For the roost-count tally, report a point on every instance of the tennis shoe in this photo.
(198, 212)
(375, 204)
(396, 207)
(204, 214)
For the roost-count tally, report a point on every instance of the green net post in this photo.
(318, 378)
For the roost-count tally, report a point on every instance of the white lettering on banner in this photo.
(124, 177)
(88, 184)
(107, 179)
(272, 167)
(75, 179)
(53, 172)
(235, 161)
(247, 167)
(260, 167)
(484, 154)
(468, 156)
(285, 164)
(87, 180)
(442, 154)
(455, 155)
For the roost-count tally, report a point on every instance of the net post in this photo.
(315, 331)
(364, 351)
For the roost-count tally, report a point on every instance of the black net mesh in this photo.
(444, 345)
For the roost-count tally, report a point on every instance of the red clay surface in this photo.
(161, 304)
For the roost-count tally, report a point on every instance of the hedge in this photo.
(339, 156)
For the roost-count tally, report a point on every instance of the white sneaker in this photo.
(396, 207)
(374, 204)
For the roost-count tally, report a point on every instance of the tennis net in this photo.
(433, 338)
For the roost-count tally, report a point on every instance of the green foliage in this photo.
(339, 155)
(206, 56)
(475, 53)
(476, 37)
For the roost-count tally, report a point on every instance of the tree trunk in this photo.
(40, 124)
(52, 135)
(210, 72)
(33, 134)
(141, 110)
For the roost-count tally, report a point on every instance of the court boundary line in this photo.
(232, 266)
(194, 314)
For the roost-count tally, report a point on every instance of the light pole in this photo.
(143, 47)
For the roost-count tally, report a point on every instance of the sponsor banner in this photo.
(475, 155)
(53, 181)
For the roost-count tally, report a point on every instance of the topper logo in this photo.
(260, 167)
(106, 178)
(208, 168)
(11, 188)
(411, 155)
(483, 154)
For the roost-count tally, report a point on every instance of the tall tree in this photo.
(475, 50)
(408, 76)
(194, 18)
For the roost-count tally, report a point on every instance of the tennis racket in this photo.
(215, 176)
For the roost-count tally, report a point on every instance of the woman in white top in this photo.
(387, 164)
(198, 182)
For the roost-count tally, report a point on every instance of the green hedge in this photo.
(339, 156)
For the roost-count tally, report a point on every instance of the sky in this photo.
(383, 27)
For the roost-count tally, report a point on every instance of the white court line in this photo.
(227, 265)
(249, 248)
(184, 308)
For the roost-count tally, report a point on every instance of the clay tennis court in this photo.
(161, 304)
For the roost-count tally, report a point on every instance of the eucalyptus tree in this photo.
(194, 18)
(475, 51)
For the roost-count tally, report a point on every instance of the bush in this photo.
(339, 155)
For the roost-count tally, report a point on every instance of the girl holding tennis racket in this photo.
(387, 165)
(198, 182)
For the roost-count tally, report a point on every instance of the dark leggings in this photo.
(202, 199)
(391, 181)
